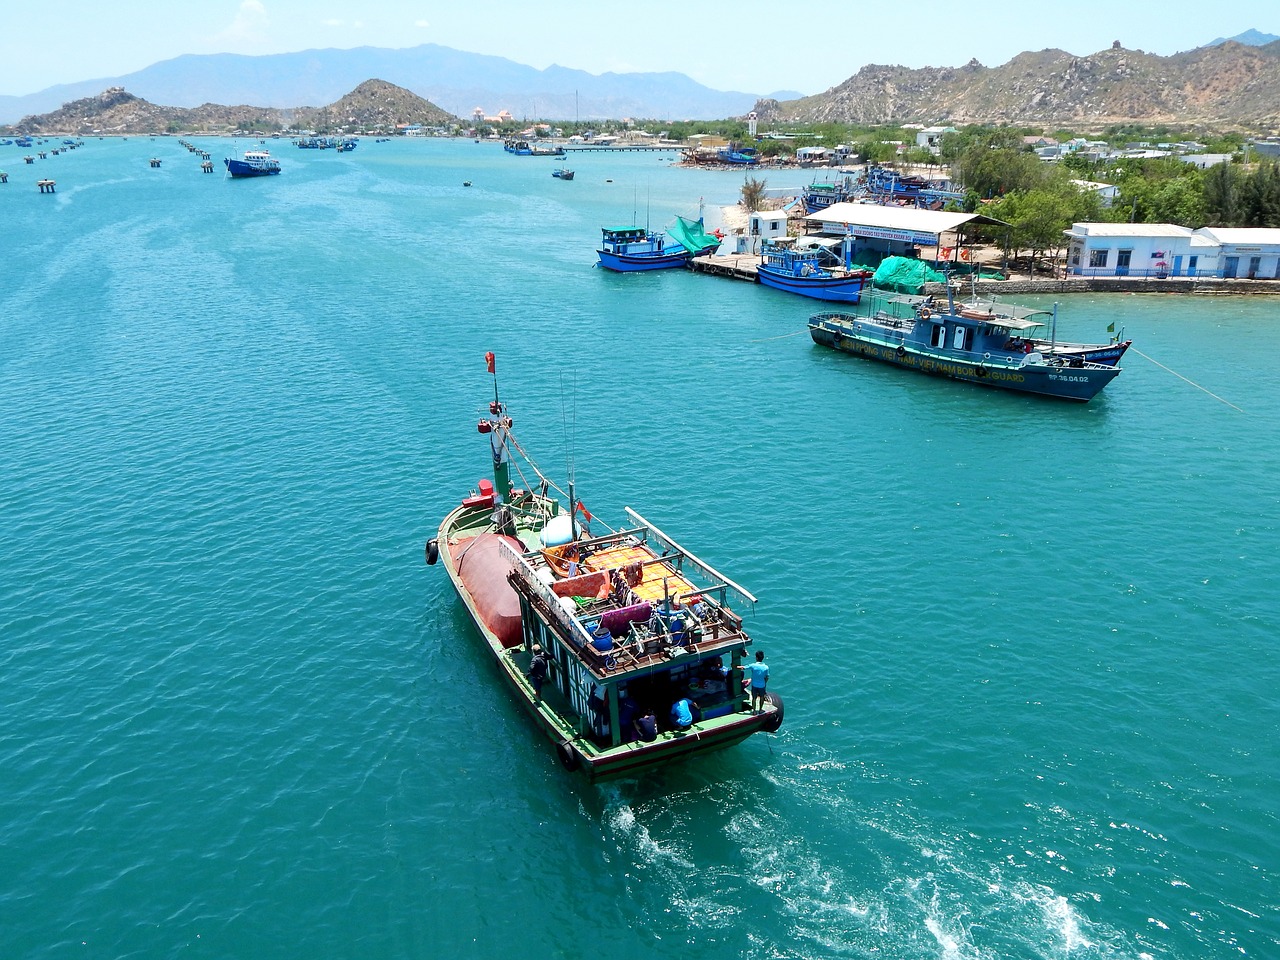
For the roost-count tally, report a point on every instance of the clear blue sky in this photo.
(754, 46)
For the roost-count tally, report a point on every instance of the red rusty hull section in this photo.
(483, 570)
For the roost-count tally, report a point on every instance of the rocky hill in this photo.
(115, 111)
(1227, 84)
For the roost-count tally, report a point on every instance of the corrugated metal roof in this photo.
(1130, 230)
(1247, 236)
(895, 218)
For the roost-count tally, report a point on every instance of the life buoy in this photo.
(925, 313)
(567, 754)
(433, 551)
(774, 720)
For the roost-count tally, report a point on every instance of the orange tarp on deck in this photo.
(650, 587)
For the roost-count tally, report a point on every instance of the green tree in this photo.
(753, 193)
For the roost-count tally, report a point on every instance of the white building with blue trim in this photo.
(1168, 250)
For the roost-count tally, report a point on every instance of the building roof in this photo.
(1246, 236)
(840, 215)
(1170, 230)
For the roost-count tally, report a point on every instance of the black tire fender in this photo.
(774, 719)
(568, 755)
(433, 551)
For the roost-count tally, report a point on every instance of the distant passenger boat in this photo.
(951, 340)
(256, 163)
(795, 271)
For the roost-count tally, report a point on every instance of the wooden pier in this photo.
(737, 266)
(620, 148)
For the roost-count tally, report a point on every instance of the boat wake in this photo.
(797, 852)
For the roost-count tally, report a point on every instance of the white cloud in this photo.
(421, 23)
(332, 23)
(250, 24)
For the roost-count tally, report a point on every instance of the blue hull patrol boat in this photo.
(629, 249)
(962, 342)
(795, 271)
(256, 163)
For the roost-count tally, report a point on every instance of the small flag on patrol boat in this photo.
(586, 514)
(489, 362)
(1111, 328)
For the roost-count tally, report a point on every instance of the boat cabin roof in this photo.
(648, 601)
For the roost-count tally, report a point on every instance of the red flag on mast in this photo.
(586, 514)
(489, 361)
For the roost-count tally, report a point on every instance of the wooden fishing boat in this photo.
(627, 623)
(962, 342)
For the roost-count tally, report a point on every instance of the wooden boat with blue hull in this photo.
(802, 271)
(985, 349)
(630, 621)
(628, 249)
(255, 163)
(562, 173)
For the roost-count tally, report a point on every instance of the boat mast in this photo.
(500, 426)
(1053, 329)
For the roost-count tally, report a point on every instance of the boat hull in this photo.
(834, 289)
(630, 263)
(456, 534)
(1048, 379)
(239, 168)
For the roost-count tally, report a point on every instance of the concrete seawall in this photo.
(1203, 286)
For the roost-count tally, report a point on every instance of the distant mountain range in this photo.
(456, 81)
(116, 111)
(1221, 84)
(1250, 38)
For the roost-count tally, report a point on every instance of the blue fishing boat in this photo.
(745, 157)
(255, 163)
(950, 340)
(629, 249)
(783, 267)
(562, 173)
(823, 193)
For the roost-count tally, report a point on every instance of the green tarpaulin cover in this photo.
(904, 275)
(691, 235)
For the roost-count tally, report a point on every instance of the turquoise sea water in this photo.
(1027, 649)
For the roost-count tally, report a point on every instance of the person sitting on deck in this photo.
(682, 713)
(646, 726)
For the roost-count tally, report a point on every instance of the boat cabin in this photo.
(633, 623)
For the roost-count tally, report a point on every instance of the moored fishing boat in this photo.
(629, 249)
(562, 173)
(948, 341)
(1025, 331)
(783, 267)
(623, 625)
(255, 163)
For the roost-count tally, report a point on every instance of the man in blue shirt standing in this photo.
(759, 679)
